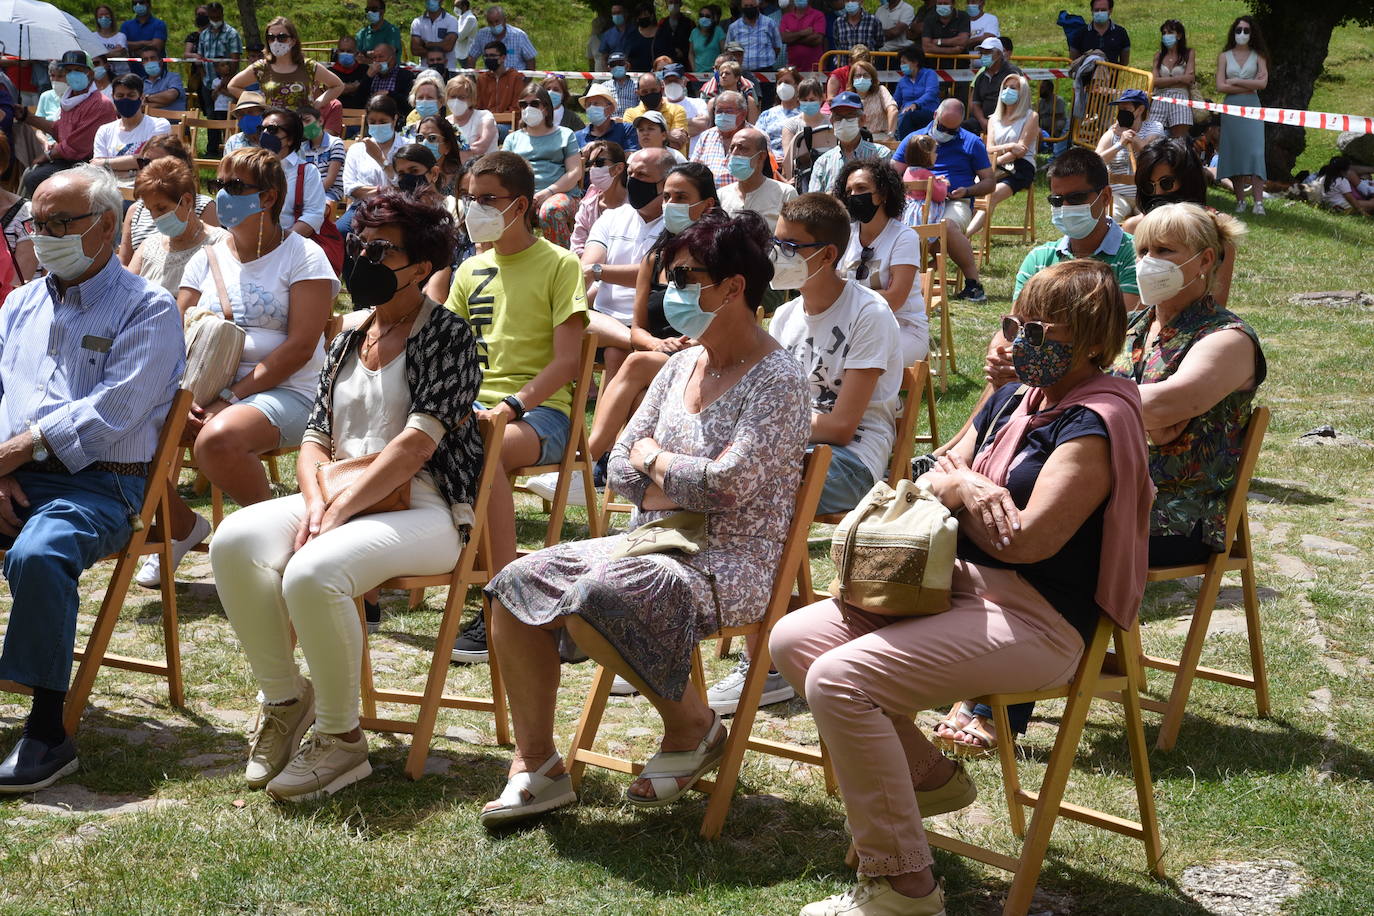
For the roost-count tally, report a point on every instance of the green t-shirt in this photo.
(389, 34)
(1117, 251)
(513, 304)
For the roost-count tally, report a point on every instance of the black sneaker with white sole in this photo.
(972, 292)
(470, 648)
(373, 610)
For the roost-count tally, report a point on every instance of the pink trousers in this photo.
(867, 676)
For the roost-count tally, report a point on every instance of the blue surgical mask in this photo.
(427, 108)
(905, 68)
(1075, 220)
(811, 108)
(104, 22)
(801, 4)
(250, 124)
(1102, 17)
(985, 61)
(863, 84)
(618, 71)
(346, 58)
(433, 148)
(742, 167)
(617, 19)
(384, 67)
(374, 16)
(596, 114)
(851, 8)
(677, 217)
(432, 5)
(235, 209)
(1010, 96)
(556, 98)
(382, 133)
(1168, 39)
(682, 308)
(726, 122)
(77, 81)
(100, 74)
(974, 11)
(704, 22)
(169, 224)
(153, 69)
(140, 9)
(944, 9)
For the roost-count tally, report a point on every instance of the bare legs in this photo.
(226, 451)
(1002, 192)
(519, 448)
(620, 397)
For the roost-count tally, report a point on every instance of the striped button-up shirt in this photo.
(519, 48)
(761, 42)
(218, 43)
(96, 368)
(867, 31)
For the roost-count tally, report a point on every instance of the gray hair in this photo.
(55, 67)
(731, 95)
(102, 191)
(660, 159)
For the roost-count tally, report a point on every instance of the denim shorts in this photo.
(285, 409)
(847, 482)
(551, 426)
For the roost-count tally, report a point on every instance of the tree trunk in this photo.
(248, 17)
(1299, 36)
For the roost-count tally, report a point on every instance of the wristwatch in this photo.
(40, 448)
(649, 462)
(514, 403)
(596, 272)
(229, 396)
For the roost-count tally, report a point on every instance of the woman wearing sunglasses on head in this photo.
(553, 154)
(279, 287)
(1051, 492)
(399, 386)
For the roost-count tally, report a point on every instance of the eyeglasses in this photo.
(529, 103)
(370, 249)
(789, 249)
(1075, 199)
(1034, 331)
(483, 200)
(1164, 185)
(866, 255)
(281, 37)
(679, 275)
(235, 186)
(58, 226)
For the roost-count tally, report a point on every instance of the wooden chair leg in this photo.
(736, 742)
(595, 528)
(1252, 627)
(369, 686)
(434, 683)
(932, 417)
(171, 635)
(592, 711)
(99, 641)
(416, 598)
(1188, 660)
(1140, 754)
(832, 783)
(723, 647)
(1011, 780)
(1051, 794)
(698, 672)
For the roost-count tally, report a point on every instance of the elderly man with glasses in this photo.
(90, 358)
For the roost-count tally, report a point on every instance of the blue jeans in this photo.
(913, 119)
(72, 522)
(847, 482)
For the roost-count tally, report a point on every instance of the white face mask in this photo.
(532, 116)
(787, 92)
(674, 92)
(59, 87)
(64, 258)
(280, 48)
(1242, 38)
(847, 130)
(457, 107)
(485, 224)
(793, 272)
(1160, 279)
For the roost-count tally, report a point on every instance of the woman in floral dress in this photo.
(721, 432)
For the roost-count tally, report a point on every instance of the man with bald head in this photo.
(754, 188)
(961, 158)
(651, 99)
(90, 358)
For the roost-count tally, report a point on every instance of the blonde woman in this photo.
(426, 101)
(880, 109)
(1013, 135)
(476, 126)
(284, 77)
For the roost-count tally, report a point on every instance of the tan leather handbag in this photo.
(214, 345)
(336, 476)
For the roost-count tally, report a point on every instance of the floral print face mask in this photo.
(1042, 366)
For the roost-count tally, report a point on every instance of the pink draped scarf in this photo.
(1126, 527)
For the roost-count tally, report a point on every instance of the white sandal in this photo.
(529, 793)
(665, 768)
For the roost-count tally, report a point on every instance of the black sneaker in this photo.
(373, 610)
(35, 764)
(599, 471)
(972, 292)
(470, 648)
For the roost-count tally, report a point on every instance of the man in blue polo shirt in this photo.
(145, 30)
(600, 105)
(1102, 34)
(961, 159)
(162, 88)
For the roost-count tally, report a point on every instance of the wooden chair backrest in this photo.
(913, 387)
(1249, 455)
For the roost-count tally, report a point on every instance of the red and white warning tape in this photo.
(1321, 120)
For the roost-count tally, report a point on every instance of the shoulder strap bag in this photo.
(214, 344)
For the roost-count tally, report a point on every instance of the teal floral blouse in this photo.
(1195, 471)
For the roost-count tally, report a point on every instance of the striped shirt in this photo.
(519, 48)
(1117, 251)
(96, 368)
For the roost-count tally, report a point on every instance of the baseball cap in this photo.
(1132, 97)
(617, 57)
(599, 90)
(991, 43)
(846, 100)
(76, 59)
(733, 47)
(654, 116)
(670, 71)
(249, 99)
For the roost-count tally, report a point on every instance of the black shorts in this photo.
(1021, 176)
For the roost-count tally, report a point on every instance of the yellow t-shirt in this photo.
(674, 114)
(513, 303)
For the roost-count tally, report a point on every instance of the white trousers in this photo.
(266, 589)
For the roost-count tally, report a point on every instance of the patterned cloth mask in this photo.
(1042, 366)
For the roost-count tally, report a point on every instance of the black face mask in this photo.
(493, 63)
(1125, 119)
(640, 193)
(202, 21)
(651, 100)
(751, 12)
(645, 22)
(861, 207)
(411, 183)
(270, 142)
(371, 284)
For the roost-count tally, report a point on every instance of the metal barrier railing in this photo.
(888, 58)
(1107, 83)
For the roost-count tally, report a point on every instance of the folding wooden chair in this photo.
(722, 788)
(177, 119)
(1238, 557)
(193, 125)
(149, 537)
(576, 457)
(1098, 672)
(1025, 230)
(473, 568)
(941, 357)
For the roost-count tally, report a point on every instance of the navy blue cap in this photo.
(1132, 97)
(847, 100)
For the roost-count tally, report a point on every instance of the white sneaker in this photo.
(623, 688)
(322, 766)
(543, 486)
(149, 575)
(723, 697)
(1240, 206)
(277, 735)
(1259, 209)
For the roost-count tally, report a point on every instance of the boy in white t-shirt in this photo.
(846, 338)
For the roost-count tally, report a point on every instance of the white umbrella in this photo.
(33, 30)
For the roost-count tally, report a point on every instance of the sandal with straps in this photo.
(529, 793)
(978, 728)
(961, 710)
(665, 768)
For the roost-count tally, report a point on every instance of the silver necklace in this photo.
(718, 373)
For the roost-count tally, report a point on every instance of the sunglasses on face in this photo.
(681, 275)
(430, 138)
(370, 249)
(236, 187)
(278, 37)
(601, 162)
(1242, 31)
(1033, 331)
(273, 129)
(790, 249)
(1164, 185)
(1075, 199)
(529, 103)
